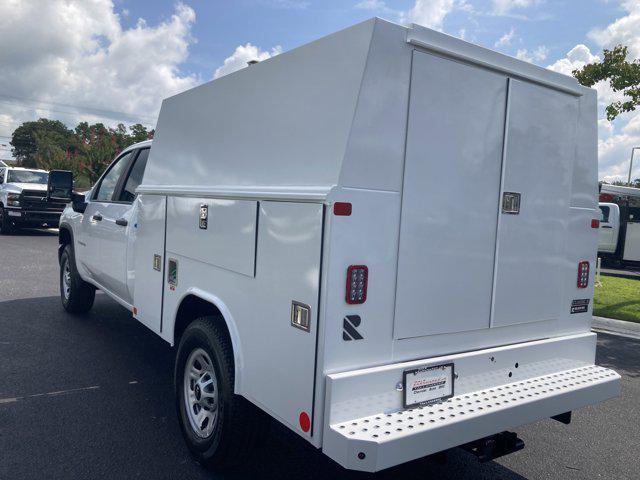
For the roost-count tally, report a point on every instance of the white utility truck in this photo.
(23, 200)
(619, 224)
(293, 232)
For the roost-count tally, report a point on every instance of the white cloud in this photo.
(506, 39)
(73, 60)
(537, 55)
(428, 13)
(242, 55)
(623, 30)
(504, 7)
(576, 58)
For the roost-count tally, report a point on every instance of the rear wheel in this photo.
(77, 295)
(6, 226)
(220, 428)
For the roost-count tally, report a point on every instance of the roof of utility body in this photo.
(332, 112)
(620, 190)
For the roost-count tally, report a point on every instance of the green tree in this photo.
(623, 76)
(139, 133)
(98, 147)
(51, 156)
(24, 143)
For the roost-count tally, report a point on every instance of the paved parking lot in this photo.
(92, 398)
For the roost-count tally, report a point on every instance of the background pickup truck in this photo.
(23, 200)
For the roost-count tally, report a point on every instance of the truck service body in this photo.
(370, 307)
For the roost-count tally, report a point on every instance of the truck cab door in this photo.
(609, 227)
(109, 221)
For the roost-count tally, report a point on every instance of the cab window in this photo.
(109, 182)
(604, 214)
(135, 177)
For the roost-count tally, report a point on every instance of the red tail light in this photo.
(357, 279)
(583, 274)
(595, 223)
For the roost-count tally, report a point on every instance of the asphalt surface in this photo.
(92, 398)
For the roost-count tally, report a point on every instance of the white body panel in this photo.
(229, 242)
(632, 242)
(454, 132)
(110, 239)
(609, 228)
(270, 354)
(538, 164)
(422, 133)
(149, 240)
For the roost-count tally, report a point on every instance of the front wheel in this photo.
(77, 295)
(220, 428)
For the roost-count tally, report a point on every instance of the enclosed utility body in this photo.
(619, 223)
(395, 227)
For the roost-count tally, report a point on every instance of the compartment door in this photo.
(279, 357)
(148, 260)
(539, 155)
(450, 198)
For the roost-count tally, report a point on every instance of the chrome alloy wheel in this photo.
(66, 279)
(201, 393)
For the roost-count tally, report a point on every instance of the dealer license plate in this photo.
(426, 385)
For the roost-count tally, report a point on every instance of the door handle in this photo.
(97, 217)
(122, 222)
(604, 226)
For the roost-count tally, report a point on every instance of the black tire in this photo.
(6, 226)
(240, 426)
(81, 294)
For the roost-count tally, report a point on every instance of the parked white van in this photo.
(293, 232)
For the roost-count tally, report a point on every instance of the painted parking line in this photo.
(55, 393)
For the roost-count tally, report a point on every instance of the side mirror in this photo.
(78, 202)
(60, 185)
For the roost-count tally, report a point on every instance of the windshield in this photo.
(27, 176)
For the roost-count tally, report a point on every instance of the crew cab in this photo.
(23, 200)
(290, 232)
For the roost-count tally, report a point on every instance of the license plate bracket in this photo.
(427, 385)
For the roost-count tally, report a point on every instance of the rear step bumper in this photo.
(375, 442)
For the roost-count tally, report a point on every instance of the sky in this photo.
(114, 61)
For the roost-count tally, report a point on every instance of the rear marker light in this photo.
(305, 422)
(595, 223)
(357, 279)
(583, 274)
(342, 209)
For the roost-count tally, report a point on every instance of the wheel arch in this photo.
(196, 303)
(65, 237)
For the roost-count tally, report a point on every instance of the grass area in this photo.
(618, 298)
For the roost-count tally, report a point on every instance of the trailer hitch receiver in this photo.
(498, 445)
